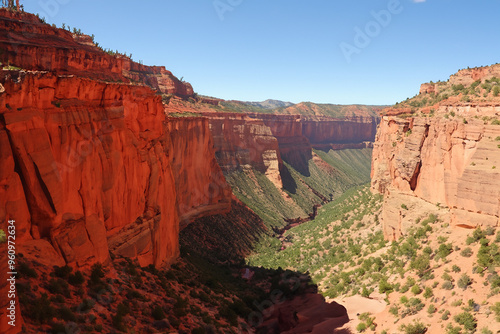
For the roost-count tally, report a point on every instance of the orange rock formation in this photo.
(437, 161)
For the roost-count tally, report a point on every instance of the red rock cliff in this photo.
(438, 162)
(90, 158)
(28, 43)
(245, 142)
(89, 163)
(262, 141)
(201, 187)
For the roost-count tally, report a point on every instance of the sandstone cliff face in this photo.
(90, 164)
(263, 141)
(444, 162)
(90, 158)
(294, 147)
(242, 142)
(28, 43)
(468, 76)
(322, 130)
(201, 187)
(95, 167)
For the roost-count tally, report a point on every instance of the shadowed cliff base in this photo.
(288, 302)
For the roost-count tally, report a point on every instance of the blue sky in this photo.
(294, 50)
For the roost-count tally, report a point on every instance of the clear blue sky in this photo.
(291, 49)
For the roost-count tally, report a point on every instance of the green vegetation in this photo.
(467, 321)
(307, 253)
(464, 281)
(348, 168)
(414, 328)
(367, 322)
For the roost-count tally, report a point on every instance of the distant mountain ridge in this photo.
(270, 104)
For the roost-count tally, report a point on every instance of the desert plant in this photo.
(428, 293)
(464, 281)
(447, 285)
(467, 320)
(158, 313)
(414, 328)
(394, 310)
(496, 309)
(466, 252)
(416, 289)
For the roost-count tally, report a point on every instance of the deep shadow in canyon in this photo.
(286, 301)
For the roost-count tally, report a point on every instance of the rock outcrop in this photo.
(440, 161)
(28, 43)
(201, 188)
(245, 142)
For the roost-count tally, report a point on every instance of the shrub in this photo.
(62, 272)
(421, 264)
(57, 328)
(86, 305)
(229, 314)
(95, 282)
(25, 270)
(496, 309)
(158, 313)
(365, 292)
(453, 330)
(431, 309)
(488, 255)
(59, 286)
(414, 328)
(416, 289)
(117, 320)
(446, 315)
(361, 327)
(96, 274)
(496, 90)
(198, 330)
(444, 250)
(40, 309)
(66, 314)
(385, 287)
(428, 293)
(466, 252)
(456, 269)
(467, 320)
(447, 285)
(464, 281)
(394, 310)
(76, 278)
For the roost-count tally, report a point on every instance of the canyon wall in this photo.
(263, 141)
(93, 168)
(430, 162)
(245, 142)
(28, 43)
(201, 188)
